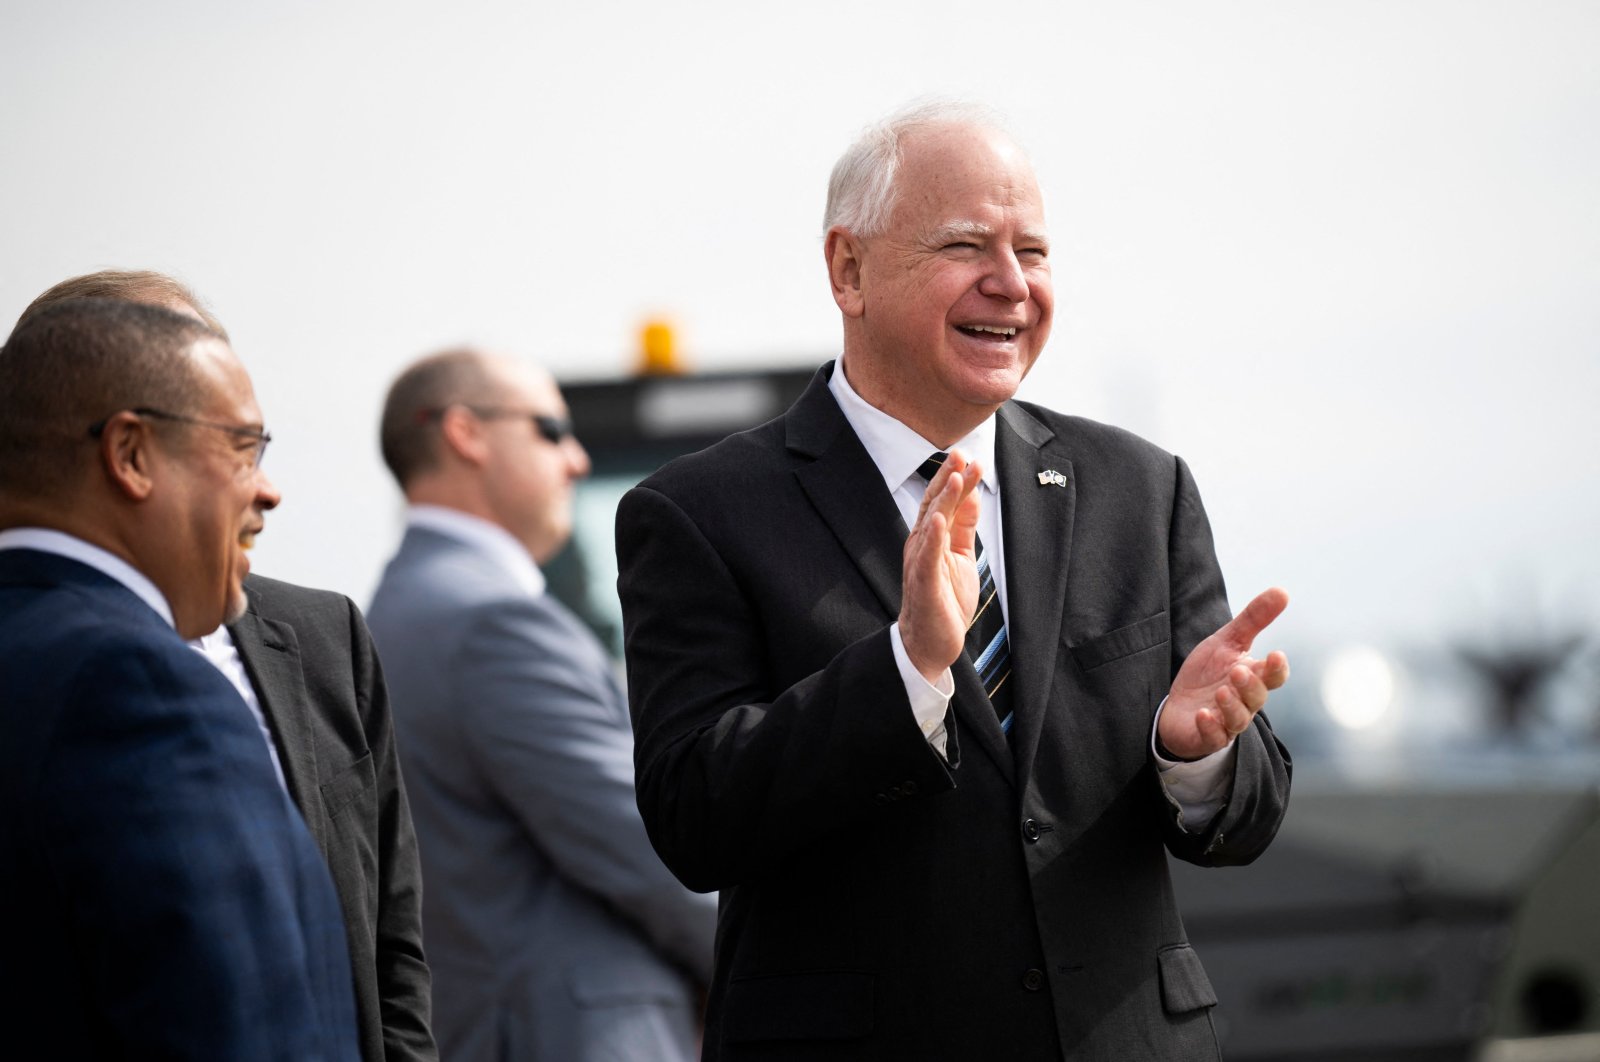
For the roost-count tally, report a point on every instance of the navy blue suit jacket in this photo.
(159, 895)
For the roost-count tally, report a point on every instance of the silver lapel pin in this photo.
(1050, 477)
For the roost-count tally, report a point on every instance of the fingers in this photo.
(938, 593)
(1273, 671)
(1232, 701)
(1213, 734)
(935, 486)
(952, 494)
(1267, 606)
(928, 544)
(931, 634)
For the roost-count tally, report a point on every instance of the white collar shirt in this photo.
(898, 452)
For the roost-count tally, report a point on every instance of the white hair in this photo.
(861, 192)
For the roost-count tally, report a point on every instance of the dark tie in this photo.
(987, 645)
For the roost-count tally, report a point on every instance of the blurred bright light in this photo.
(1358, 687)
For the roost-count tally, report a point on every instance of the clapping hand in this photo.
(940, 569)
(1221, 687)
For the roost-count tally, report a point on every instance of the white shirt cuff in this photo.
(1197, 788)
(929, 703)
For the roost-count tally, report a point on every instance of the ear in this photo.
(463, 435)
(127, 455)
(843, 251)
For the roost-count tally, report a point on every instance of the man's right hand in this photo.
(939, 577)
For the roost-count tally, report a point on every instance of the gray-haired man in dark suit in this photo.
(898, 662)
(554, 931)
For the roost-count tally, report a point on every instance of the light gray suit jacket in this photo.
(553, 929)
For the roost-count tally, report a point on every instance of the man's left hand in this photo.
(1221, 687)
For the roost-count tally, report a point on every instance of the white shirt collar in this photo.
(490, 539)
(897, 450)
(109, 564)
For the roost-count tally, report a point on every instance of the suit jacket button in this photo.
(909, 788)
(1033, 980)
(1030, 830)
(882, 798)
(895, 792)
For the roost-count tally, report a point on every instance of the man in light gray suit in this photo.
(553, 930)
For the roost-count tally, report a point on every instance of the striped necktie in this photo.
(987, 645)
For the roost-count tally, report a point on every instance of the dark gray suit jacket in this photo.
(554, 932)
(878, 902)
(311, 661)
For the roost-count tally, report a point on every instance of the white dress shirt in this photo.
(1197, 789)
(219, 649)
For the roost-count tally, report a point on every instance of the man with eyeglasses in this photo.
(159, 896)
(304, 664)
(554, 932)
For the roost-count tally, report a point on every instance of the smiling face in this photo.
(949, 307)
(215, 496)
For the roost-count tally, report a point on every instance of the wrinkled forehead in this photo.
(945, 170)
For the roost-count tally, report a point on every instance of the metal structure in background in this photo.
(632, 427)
(1420, 924)
(1408, 925)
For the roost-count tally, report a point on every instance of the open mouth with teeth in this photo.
(989, 332)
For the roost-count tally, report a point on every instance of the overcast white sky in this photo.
(1342, 256)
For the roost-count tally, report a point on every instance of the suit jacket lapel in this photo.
(847, 490)
(849, 494)
(271, 654)
(1037, 519)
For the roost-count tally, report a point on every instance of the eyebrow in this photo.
(953, 229)
(957, 229)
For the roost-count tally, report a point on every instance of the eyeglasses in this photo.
(260, 436)
(554, 430)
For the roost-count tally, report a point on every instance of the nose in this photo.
(267, 496)
(1004, 279)
(577, 458)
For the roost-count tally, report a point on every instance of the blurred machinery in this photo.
(633, 426)
(1410, 925)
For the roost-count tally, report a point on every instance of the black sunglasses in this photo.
(553, 430)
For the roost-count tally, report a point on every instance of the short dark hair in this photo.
(75, 362)
(409, 433)
(129, 285)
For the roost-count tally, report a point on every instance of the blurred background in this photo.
(1342, 257)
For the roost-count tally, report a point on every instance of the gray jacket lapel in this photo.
(271, 655)
(1038, 545)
